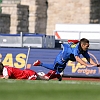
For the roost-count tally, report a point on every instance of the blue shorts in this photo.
(59, 68)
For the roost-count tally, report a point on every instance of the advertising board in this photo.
(16, 57)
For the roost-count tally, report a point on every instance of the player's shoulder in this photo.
(77, 46)
(9, 67)
(6, 66)
(5, 69)
(76, 49)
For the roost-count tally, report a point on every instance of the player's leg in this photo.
(52, 74)
(48, 66)
(56, 67)
(44, 76)
(59, 70)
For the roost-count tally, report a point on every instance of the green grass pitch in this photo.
(49, 90)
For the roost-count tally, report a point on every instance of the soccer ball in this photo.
(41, 73)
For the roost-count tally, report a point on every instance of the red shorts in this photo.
(31, 75)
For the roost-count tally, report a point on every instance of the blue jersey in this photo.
(69, 53)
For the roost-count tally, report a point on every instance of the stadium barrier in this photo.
(21, 40)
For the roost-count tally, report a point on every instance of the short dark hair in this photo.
(84, 41)
(1, 68)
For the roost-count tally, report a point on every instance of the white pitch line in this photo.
(64, 82)
(51, 81)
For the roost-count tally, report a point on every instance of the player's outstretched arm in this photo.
(78, 59)
(92, 62)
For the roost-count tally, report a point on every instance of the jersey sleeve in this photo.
(76, 51)
(5, 72)
(86, 55)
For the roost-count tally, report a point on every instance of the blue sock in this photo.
(48, 66)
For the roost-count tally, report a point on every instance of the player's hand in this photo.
(98, 65)
(2, 77)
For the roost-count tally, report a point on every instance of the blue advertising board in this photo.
(24, 58)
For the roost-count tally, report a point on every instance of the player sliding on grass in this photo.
(70, 53)
(16, 73)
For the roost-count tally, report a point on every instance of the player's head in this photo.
(84, 43)
(1, 68)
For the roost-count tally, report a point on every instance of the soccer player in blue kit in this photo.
(69, 53)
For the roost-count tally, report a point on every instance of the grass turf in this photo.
(49, 90)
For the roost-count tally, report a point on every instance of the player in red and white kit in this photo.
(16, 73)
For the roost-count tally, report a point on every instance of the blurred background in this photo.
(37, 28)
